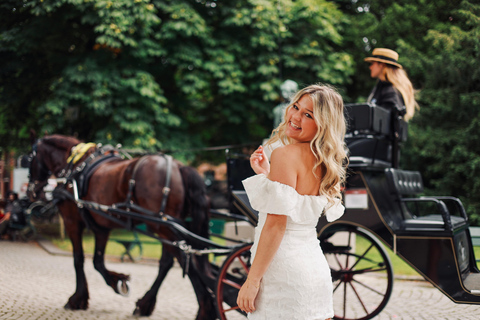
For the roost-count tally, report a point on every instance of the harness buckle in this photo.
(166, 190)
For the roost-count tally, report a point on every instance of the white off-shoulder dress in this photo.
(298, 283)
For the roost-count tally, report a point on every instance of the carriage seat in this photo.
(403, 183)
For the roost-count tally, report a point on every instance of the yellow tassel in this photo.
(79, 151)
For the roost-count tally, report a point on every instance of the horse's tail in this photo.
(196, 205)
(196, 201)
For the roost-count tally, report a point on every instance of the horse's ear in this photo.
(33, 136)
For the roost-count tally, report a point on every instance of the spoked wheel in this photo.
(230, 279)
(361, 271)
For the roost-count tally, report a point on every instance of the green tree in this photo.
(444, 136)
(80, 67)
(158, 73)
(399, 25)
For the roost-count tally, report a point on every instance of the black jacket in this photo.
(385, 95)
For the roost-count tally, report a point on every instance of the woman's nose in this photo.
(296, 116)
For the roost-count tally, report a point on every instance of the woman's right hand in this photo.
(259, 161)
(247, 295)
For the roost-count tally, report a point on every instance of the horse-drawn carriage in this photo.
(382, 208)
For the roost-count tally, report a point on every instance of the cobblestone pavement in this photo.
(35, 284)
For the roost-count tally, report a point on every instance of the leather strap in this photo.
(166, 188)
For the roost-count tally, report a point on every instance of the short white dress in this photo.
(298, 282)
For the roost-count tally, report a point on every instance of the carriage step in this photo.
(472, 283)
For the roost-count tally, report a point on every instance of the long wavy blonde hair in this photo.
(328, 145)
(399, 79)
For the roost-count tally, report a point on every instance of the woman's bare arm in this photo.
(272, 233)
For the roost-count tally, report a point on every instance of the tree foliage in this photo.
(444, 136)
(158, 73)
(399, 25)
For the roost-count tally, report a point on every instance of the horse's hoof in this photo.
(123, 288)
(70, 306)
(137, 312)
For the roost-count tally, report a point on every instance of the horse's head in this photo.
(47, 158)
(38, 174)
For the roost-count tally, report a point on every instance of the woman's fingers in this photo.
(243, 305)
(252, 306)
(246, 298)
(258, 154)
(247, 307)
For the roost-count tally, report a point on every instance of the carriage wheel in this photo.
(361, 271)
(231, 277)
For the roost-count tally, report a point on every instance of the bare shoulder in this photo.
(297, 152)
(284, 165)
(289, 150)
(285, 154)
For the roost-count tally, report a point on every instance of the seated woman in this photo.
(393, 89)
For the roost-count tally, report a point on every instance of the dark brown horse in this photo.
(109, 184)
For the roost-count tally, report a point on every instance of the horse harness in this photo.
(73, 175)
(166, 189)
(116, 211)
(83, 171)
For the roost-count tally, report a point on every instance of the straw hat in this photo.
(384, 55)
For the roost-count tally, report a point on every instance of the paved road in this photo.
(35, 284)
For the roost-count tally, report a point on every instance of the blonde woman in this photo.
(393, 89)
(289, 277)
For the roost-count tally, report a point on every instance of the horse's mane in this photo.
(61, 142)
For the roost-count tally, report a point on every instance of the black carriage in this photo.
(383, 208)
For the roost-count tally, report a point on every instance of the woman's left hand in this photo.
(246, 296)
(259, 161)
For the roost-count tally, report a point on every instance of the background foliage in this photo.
(159, 74)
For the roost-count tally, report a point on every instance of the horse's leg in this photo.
(145, 305)
(118, 281)
(190, 199)
(79, 300)
(201, 282)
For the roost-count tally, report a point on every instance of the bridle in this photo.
(36, 184)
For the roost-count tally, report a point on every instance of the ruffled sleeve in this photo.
(278, 198)
(335, 211)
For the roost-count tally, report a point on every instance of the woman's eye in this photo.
(295, 107)
(308, 115)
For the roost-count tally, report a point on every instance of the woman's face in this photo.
(376, 69)
(301, 126)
